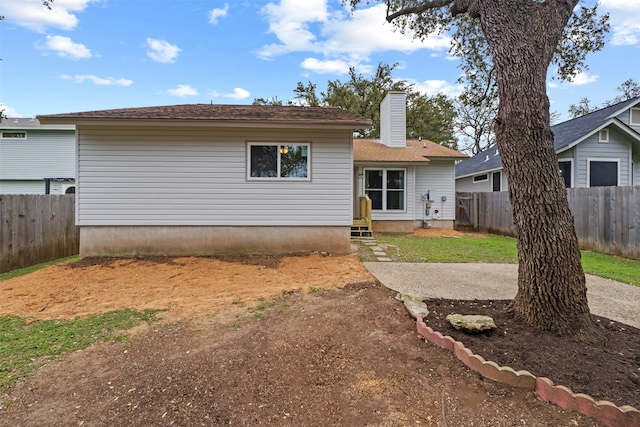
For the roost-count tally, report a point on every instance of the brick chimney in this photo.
(393, 119)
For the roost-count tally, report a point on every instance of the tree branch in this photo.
(432, 4)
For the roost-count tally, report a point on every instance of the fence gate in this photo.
(465, 212)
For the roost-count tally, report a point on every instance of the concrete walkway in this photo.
(607, 298)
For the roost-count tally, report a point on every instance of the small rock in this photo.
(471, 322)
(414, 305)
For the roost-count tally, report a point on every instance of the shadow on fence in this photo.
(607, 219)
(36, 228)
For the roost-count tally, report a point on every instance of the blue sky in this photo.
(100, 54)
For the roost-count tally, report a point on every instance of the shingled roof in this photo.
(217, 113)
(372, 150)
(566, 135)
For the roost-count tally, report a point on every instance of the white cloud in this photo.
(183, 90)
(336, 66)
(65, 47)
(9, 111)
(625, 21)
(337, 36)
(434, 87)
(583, 79)
(33, 15)
(216, 14)
(238, 93)
(99, 81)
(162, 51)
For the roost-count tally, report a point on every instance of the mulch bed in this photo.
(607, 371)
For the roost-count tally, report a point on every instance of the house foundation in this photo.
(207, 240)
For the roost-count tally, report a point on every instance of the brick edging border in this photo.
(602, 411)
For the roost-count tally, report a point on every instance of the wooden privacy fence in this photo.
(607, 219)
(36, 228)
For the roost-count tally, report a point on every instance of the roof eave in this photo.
(98, 121)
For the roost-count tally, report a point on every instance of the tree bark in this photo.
(552, 293)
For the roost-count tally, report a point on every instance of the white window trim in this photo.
(573, 182)
(637, 111)
(13, 138)
(384, 189)
(601, 159)
(603, 135)
(486, 178)
(277, 144)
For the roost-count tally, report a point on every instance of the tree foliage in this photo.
(431, 118)
(478, 105)
(628, 89)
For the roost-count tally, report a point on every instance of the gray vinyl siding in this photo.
(43, 154)
(188, 176)
(438, 178)
(405, 215)
(22, 187)
(467, 184)
(618, 148)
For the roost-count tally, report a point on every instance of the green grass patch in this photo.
(620, 269)
(469, 248)
(26, 345)
(26, 270)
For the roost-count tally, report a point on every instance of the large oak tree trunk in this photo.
(552, 292)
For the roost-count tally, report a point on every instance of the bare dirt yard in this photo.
(301, 341)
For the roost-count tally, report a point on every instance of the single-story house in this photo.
(598, 149)
(36, 158)
(210, 179)
(411, 182)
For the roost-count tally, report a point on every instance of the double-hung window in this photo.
(278, 161)
(386, 188)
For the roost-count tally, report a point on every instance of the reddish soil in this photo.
(345, 355)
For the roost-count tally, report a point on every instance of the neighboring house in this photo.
(36, 158)
(598, 149)
(211, 179)
(411, 182)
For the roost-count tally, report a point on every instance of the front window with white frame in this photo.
(386, 188)
(278, 161)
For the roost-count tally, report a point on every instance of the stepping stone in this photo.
(384, 259)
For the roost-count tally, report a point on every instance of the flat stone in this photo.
(384, 259)
(414, 305)
(471, 322)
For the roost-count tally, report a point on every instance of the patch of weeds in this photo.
(26, 270)
(26, 344)
(237, 302)
(264, 303)
(316, 289)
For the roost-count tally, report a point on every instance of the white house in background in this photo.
(411, 182)
(598, 149)
(36, 158)
(211, 179)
